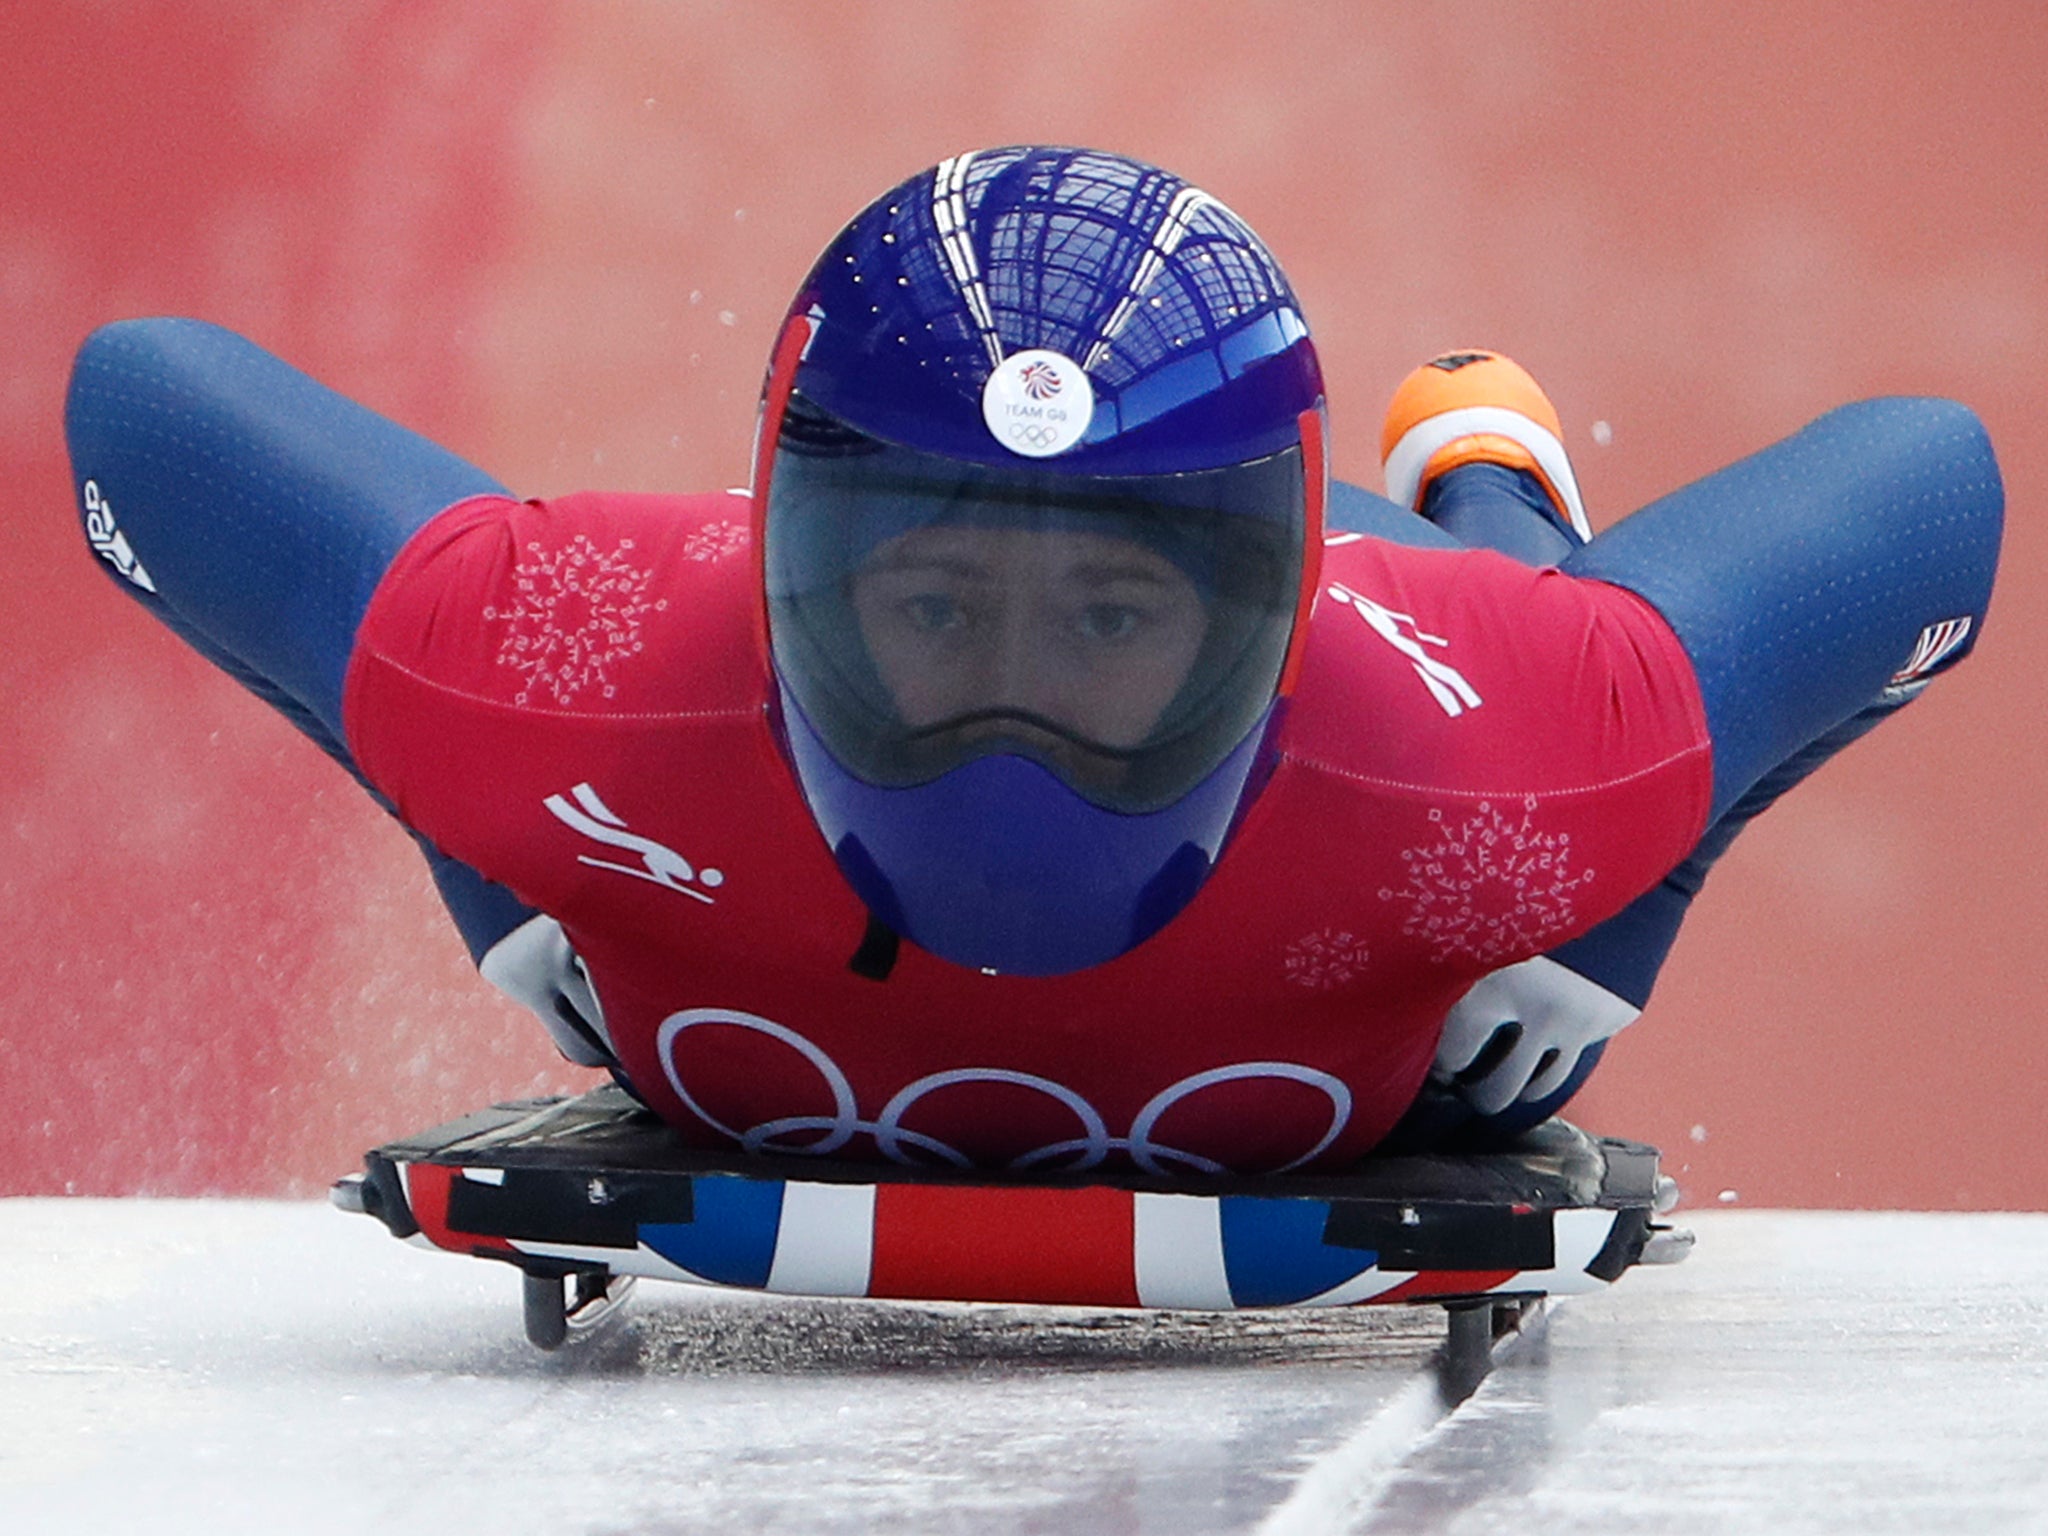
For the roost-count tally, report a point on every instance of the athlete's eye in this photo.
(1109, 621)
(932, 612)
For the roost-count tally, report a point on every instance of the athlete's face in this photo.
(1092, 633)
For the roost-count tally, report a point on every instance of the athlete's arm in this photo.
(1526, 1037)
(253, 511)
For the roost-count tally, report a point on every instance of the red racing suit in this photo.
(1480, 760)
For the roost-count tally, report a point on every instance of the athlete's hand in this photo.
(536, 967)
(1515, 1037)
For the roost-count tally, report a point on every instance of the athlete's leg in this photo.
(1491, 506)
(1472, 443)
(253, 510)
(1354, 511)
(1818, 587)
(1832, 573)
(1475, 506)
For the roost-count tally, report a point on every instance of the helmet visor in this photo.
(1124, 631)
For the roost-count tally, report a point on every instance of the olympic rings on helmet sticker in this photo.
(1032, 434)
(1087, 1149)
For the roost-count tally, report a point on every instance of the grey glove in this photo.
(1536, 1018)
(536, 967)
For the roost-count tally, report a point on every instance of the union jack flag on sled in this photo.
(595, 1189)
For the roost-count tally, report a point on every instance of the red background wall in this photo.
(556, 236)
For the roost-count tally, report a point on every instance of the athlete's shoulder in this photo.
(597, 602)
(1466, 670)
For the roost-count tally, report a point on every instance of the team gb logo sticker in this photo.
(1038, 403)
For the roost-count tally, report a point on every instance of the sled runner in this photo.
(583, 1194)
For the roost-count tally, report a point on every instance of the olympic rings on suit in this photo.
(895, 1141)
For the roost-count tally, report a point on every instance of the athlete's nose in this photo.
(1024, 675)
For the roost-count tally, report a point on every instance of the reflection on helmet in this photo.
(1037, 494)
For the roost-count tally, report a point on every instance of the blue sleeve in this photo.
(1817, 586)
(1808, 579)
(253, 511)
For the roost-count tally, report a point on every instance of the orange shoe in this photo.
(1476, 407)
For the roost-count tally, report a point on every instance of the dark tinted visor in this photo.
(1124, 631)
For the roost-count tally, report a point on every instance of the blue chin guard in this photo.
(998, 864)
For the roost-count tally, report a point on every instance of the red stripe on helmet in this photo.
(1315, 469)
(782, 365)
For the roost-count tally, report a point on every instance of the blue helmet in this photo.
(1040, 478)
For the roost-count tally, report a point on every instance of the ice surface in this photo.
(232, 1367)
(261, 1367)
(1803, 1373)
